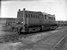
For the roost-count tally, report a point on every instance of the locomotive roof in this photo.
(44, 13)
(31, 11)
(48, 14)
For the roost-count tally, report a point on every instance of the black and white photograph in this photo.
(33, 25)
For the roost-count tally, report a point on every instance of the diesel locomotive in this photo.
(32, 21)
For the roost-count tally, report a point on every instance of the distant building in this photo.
(6, 21)
(61, 23)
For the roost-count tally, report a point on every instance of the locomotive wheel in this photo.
(41, 28)
(27, 30)
(34, 29)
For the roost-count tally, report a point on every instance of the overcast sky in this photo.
(57, 7)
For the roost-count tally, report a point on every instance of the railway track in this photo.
(62, 44)
(50, 41)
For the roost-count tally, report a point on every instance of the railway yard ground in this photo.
(48, 40)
